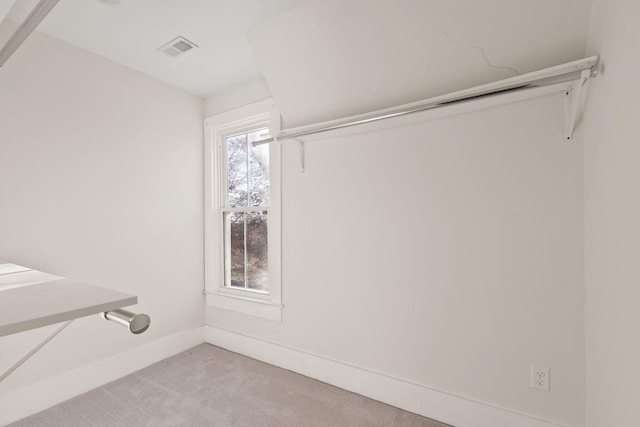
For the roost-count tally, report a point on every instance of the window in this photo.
(242, 212)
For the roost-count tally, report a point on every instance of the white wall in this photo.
(612, 210)
(447, 253)
(5, 6)
(236, 97)
(101, 182)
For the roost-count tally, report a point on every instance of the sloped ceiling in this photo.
(329, 59)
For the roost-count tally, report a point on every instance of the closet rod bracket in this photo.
(572, 100)
(301, 153)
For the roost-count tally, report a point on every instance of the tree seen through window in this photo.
(246, 229)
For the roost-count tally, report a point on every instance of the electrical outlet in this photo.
(539, 378)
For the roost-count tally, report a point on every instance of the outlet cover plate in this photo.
(539, 378)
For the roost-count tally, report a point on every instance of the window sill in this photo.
(245, 305)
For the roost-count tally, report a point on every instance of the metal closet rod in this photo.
(568, 72)
(37, 14)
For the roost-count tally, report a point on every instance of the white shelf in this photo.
(31, 299)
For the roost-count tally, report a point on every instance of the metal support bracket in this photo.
(572, 98)
(301, 153)
(136, 323)
(34, 350)
(300, 149)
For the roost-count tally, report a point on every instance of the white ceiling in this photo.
(129, 32)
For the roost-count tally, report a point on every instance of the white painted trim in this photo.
(420, 399)
(241, 114)
(28, 400)
(245, 305)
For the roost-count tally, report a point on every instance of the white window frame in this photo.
(217, 128)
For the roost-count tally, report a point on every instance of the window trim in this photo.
(246, 301)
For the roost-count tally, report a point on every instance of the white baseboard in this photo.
(28, 400)
(445, 407)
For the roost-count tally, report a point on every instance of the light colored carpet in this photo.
(209, 386)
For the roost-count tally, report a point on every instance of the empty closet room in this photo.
(319, 213)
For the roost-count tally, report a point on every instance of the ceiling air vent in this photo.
(177, 47)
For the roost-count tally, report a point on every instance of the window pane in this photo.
(235, 249)
(237, 173)
(258, 170)
(257, 260)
